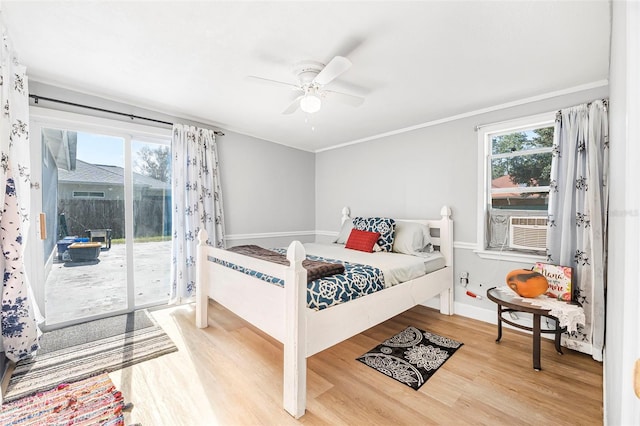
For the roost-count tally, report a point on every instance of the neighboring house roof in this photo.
(503, 182)
(87, 173)
(138, 179)
(506, 182)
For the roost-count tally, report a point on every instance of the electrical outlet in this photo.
(464, 278)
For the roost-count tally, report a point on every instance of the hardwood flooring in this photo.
(231, 374)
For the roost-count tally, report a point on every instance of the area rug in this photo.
(411, 356)
(90, 401)
(79, 351)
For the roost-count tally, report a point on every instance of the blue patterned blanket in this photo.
(357, 280)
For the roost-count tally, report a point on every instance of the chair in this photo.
(100, 235)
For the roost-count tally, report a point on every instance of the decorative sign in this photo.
(559, 278)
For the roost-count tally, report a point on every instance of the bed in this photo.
(282, 312)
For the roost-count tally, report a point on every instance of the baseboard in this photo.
(481, 314)
(466, 310)
(476, 313)
(288, 234)
(235, 237)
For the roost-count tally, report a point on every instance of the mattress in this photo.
(365, 273)
(396, 268)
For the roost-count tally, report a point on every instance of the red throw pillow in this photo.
(362, 240)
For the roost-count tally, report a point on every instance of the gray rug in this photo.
(83, 350)
(91, 331)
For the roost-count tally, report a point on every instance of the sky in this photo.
(98, 149)
(105, 150)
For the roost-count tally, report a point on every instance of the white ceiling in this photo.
(415, 62)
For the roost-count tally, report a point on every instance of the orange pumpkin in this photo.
(527, 283)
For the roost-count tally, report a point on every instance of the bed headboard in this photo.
(441, 231)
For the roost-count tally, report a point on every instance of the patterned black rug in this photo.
(411, 356)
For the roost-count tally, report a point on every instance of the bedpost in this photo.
(295, 343)
(202, 298)
(446, 248)
(345, 215)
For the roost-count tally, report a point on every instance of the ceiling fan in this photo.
(312, 79)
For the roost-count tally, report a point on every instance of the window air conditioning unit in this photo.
(528, 233)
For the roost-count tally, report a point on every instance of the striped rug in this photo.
(86, 359)
(91, 401)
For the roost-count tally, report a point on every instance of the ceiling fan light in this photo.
(310, 103)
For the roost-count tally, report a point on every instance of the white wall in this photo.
(622, 345)
(411, 175)
(257, 176)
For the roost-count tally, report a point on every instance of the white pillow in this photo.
(412, 237)
(345, 231)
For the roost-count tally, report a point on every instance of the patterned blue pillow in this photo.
(384, 225)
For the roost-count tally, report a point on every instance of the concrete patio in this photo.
(82, 289)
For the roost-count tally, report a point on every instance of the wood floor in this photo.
(231, 374)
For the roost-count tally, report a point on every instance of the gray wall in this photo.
(412, 175)
(268, 188)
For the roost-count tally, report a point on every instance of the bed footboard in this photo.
(280, 312)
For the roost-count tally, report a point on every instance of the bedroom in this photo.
(326, 180)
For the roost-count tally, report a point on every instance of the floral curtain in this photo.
(18, 319)
(578, 208)
(197, 203)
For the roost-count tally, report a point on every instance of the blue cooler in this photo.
(63, 245)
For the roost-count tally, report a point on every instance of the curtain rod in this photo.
(37, 98)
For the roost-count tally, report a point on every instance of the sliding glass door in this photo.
(85, 197)
(105, 194)
(151, 221)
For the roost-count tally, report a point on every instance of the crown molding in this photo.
(544, 96)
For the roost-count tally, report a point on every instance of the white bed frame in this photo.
(282, 312)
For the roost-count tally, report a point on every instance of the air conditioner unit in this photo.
(528, 232)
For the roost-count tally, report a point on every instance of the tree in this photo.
(527, 170)
(155, 163)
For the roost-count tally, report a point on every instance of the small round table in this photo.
(513, 303)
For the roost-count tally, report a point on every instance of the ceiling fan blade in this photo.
(271, 82)
(293, 106)
(334, 68)
(344, 98)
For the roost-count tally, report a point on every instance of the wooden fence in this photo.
(152, 216)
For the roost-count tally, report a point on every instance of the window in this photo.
(88, 194)
(514, 184)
